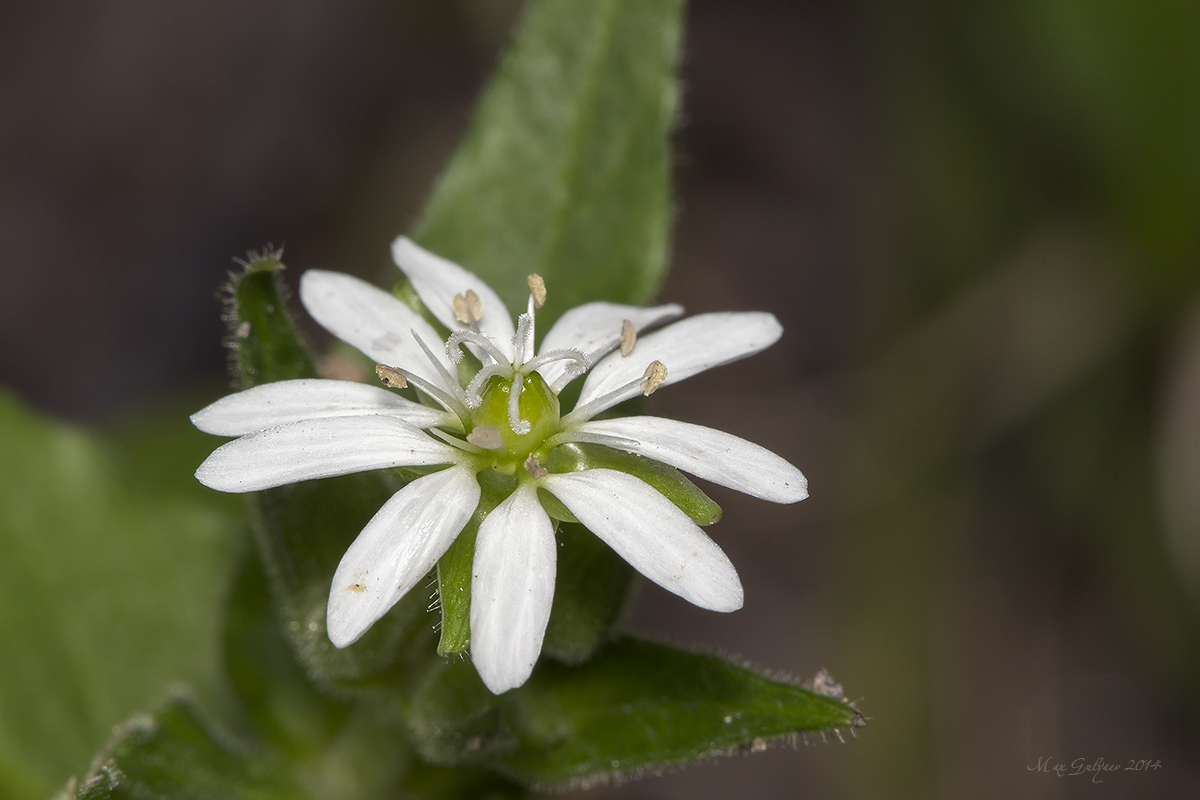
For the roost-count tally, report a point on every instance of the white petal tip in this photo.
(501, 683)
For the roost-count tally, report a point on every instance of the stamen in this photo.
(475, 387)
(628, 337)
(390, 376)
(537, 289)
(486, 436)
(454, 441)
(449, 402)
(518, 425)
(653, 377)
(535, 469)
(458, 338)
(615, 442)
(468, 309)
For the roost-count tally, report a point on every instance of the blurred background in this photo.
(978, 222)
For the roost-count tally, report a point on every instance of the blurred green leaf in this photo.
(110, 591)
(564, 171)
(633, 707)
(175, 755)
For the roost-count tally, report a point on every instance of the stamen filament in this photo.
(454, 441)
(450, 403)
(615, 442)
(450, 381)
(655, 374)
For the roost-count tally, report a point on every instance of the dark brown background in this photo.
(978, 225)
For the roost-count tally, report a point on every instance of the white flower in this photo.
(503, 417)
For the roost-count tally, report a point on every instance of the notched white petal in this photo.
(686, 347)
(512, 589)
(370, 319)
(710, 454)
(397, 549)
(271, 405)
(437, 280)
(651, 533)
(319, 448)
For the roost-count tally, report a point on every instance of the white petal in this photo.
(375, 322)
(709, 454)
(512, 588)
(397, 549)
(319, 448)
(652, 534)
(685, 348)
(593, 328)
(273, 404)
(437, 280)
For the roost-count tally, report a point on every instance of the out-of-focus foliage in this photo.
(112, 592)
(1020, 304)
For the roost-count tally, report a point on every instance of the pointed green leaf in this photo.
(110, 591)
(179, 755)
(564, 171)
(634, 706)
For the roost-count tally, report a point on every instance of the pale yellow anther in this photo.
(628, 337)
(654, 376)
(486, 436)
(468, 309)
(390, 376)
(537, 288)
(535, 469)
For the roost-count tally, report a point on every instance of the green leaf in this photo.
(634, 706)
(110, 592)
(176, 755)
(564, 171)
(179, 755)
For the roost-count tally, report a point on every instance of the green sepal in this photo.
(564, 171)
(635, 706)
(302, 530)
(454, 569)
(260, 331)
(593, 590)
(669, 482)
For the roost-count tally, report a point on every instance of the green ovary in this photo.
(538, 406)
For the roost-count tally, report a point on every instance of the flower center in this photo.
(538, 407)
